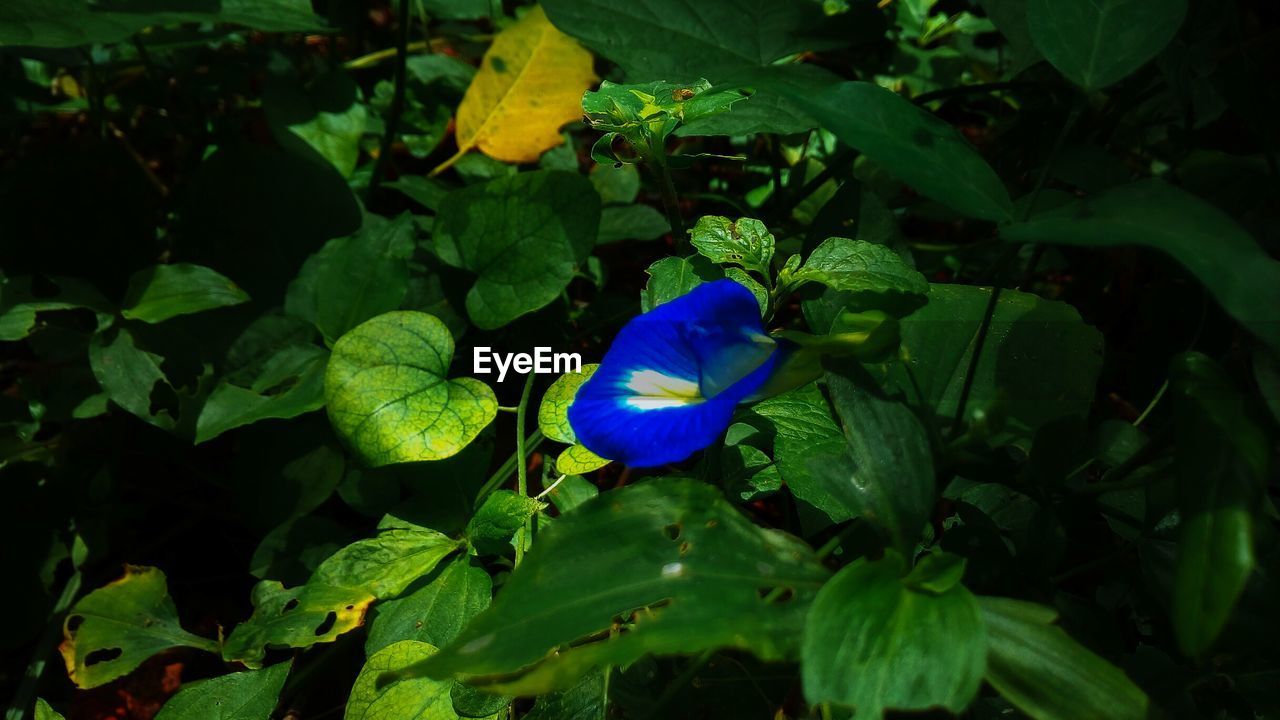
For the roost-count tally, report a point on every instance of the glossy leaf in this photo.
(249, 695)
(528, 86)
(354, 278)
(388, 394)
(1151, 213)
(1097, 43)
(1221, 461)
(872, 641)
(1046, 674)
(523, 236)
(436, 611)
(745, 242)
(166, 291)
(113, 629)
(683, 571)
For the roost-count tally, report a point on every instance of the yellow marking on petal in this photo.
(655, 391)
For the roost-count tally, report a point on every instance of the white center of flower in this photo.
(654, 390)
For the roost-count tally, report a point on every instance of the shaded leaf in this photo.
(1151, 213)
(1221, 461)
(1097, 43)
(1045, 673)
(683, 571)
(671, 277)
(238, 696)
(872, 641)
(414, 699)
(436, 612)
(294, 617)
(524, 236)
(497, 520)
(19, 305)
(164, 291)
(870, 273)
(289, 384)
(631, 222)
(113, 629)
(388, 395)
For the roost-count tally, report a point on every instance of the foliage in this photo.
(1016, 269)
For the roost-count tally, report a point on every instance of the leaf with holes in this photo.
(294, 618)
(20, 304)
(746, 242)
(238, 696)
(113, 629)
(388, 394)
(683, 571)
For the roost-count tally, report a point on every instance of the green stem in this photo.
(670, 201)
(397, 103)
(531, 443)
(23, 699)
(522, 467)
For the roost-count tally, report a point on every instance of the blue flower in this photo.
(668, 385)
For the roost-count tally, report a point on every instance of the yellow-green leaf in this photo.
(415, 699)
(529, 84)
(553, 413)
(578, 460)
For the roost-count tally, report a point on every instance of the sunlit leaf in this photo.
(294, 617)
(528, 86)
(388, 394)
(113, 629)
(746, 242)
(45, 712)
(413, 699)
(576, 460)
(553, 413)
(871, 274)
(387, 563)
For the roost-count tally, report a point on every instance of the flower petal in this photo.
(668, 385)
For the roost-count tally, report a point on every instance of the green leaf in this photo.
(413, 699)
(1221, 461)
(387, 563)
(1010, 18)
(872, 642)
(1040, 362)
(45, 712)
(616, 185)
(524, 236)
(164, 291)
(745, 242)
(1151, 213)
(497, 520)
(553, 413)
(68, 23)
(113, 629)
(326, 118)
(571, 492)
(19, 305)
(576, 460)
(872, 274)
(587, 699)
(682, 571)
(354, 278)
(294, 618)
(388, 396)
(886, 473)
(129, 375)
(238, 696)
(1046, 674)
(800, 425)
(909, 142)
(631, 222)
(289, 384)
(647, 113)
(671, 277)
(1097, 43)
(435, 612)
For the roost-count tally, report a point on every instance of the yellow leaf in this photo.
(530, 83)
